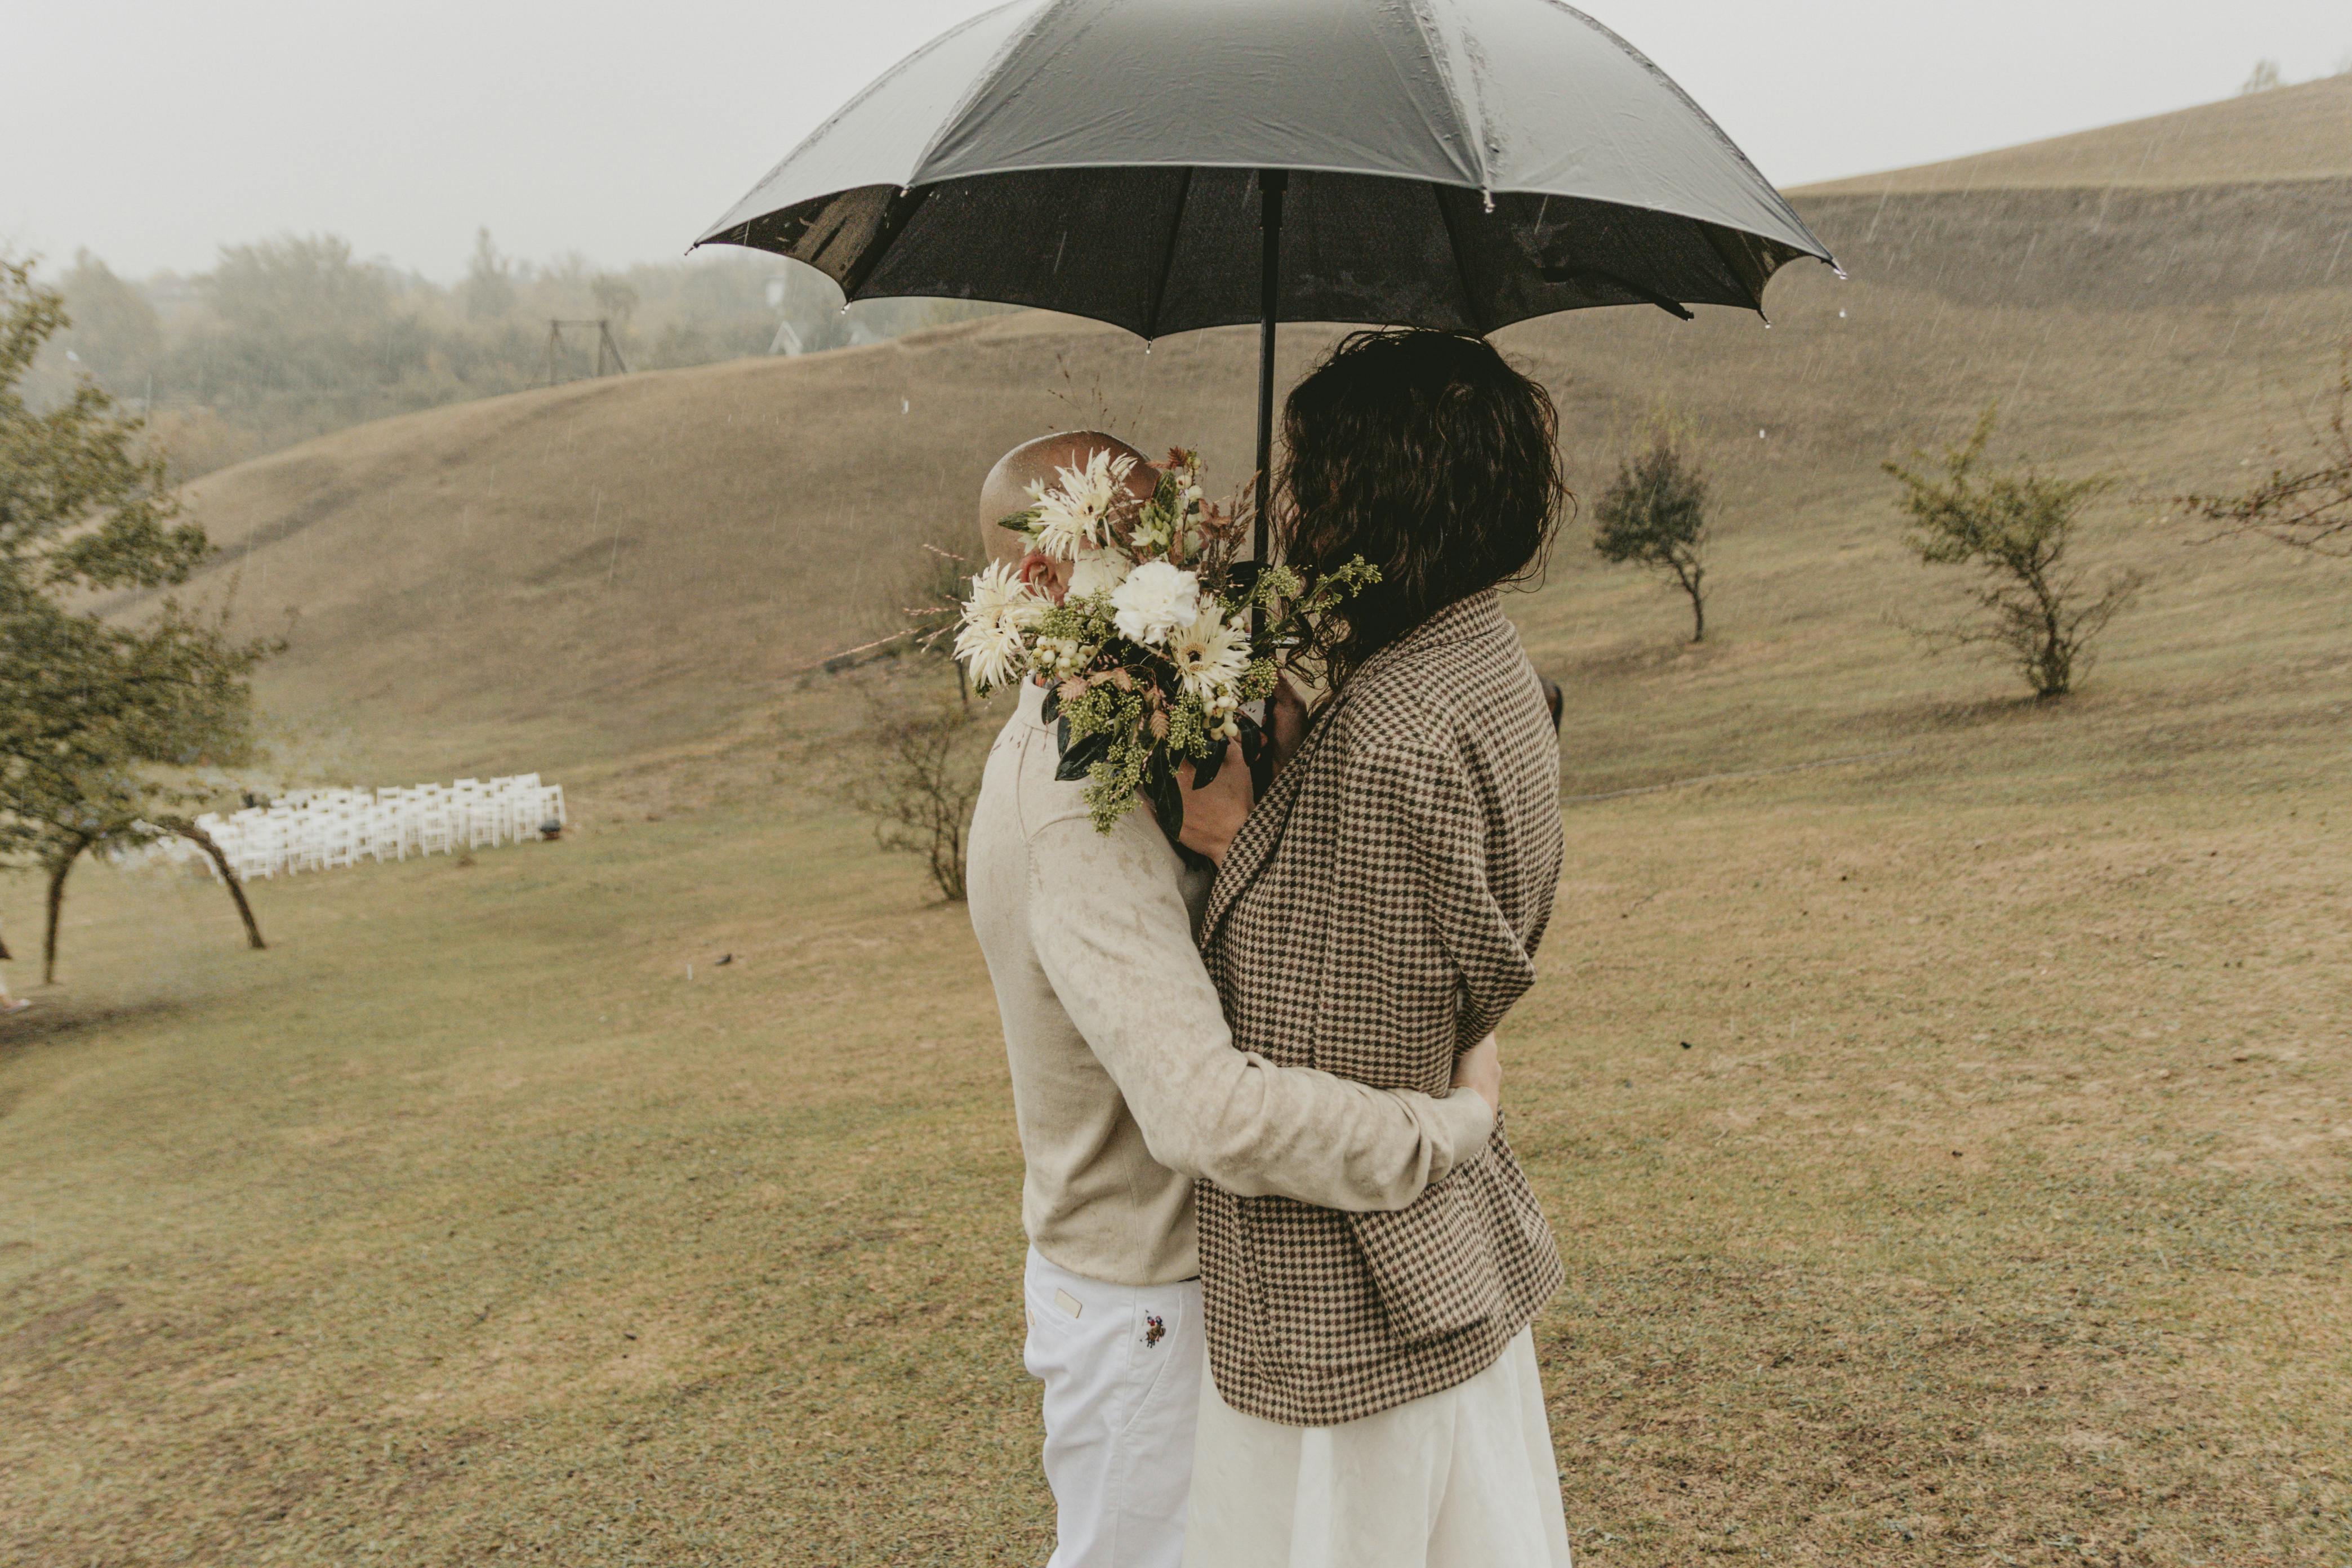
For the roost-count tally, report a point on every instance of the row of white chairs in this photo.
(323, 829)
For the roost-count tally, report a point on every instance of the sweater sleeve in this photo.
(1110, 929)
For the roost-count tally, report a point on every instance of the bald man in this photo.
(1126, 1087)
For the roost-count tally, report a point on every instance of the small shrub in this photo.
(2016, 527)
(917, 775)
(2306, 502)
(1654, 514)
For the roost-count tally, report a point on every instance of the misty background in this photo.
(272, 220)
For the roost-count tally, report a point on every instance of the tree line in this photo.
(292, 337)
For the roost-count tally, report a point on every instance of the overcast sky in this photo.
(152, 132)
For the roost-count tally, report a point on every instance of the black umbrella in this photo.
(1459, 163)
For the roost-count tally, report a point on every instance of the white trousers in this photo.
(1122, 1370)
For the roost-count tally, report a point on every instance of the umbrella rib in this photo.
(981, 82)
(1461, 273)
(1714, 237)
(1472, 134)
(895, 215)
(1167, 261)
(1672, 307)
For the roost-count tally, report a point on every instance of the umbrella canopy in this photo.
(1459, 163)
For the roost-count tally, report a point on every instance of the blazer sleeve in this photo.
(1423, 819)
(1112, 930)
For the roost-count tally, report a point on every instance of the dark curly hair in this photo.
(1425, 453)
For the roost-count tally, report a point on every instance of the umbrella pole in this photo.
(1271, 183)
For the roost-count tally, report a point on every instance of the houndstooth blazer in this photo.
(1379, 911)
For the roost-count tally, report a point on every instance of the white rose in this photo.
(1155, 601)
(1097, 572)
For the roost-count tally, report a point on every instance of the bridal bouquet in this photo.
(1149, 651)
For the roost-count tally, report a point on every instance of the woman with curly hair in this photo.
(1374, 1397)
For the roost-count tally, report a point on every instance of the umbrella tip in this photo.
(1489, 197)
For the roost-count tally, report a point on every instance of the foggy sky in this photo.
(152, 133)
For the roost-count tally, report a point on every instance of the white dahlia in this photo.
(1070, 513)
(989, 642)
(1097, 572)
(1211, 657)
(1155, 601)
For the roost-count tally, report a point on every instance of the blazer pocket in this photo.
(1433, 1265)
(1320, 1311)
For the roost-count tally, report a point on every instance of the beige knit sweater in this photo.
(1126, 1083)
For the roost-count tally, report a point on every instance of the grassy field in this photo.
(1947, 1121)
(1995, 1209)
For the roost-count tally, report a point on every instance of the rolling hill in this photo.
(2301, 133)
(559, 578)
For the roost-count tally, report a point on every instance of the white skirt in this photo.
(1460, 1479)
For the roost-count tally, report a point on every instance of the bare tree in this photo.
(2263, 78)
(941, 579)
(917, 765)
(2306, 502)
(1654, 514)
(2016, 527)
(918, 776)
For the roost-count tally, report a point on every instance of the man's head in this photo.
(1006, 489)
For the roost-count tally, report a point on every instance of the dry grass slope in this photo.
(1953, 1149)
(559, 577)
(2292, 133)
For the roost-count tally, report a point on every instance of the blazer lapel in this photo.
(1255, 843)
